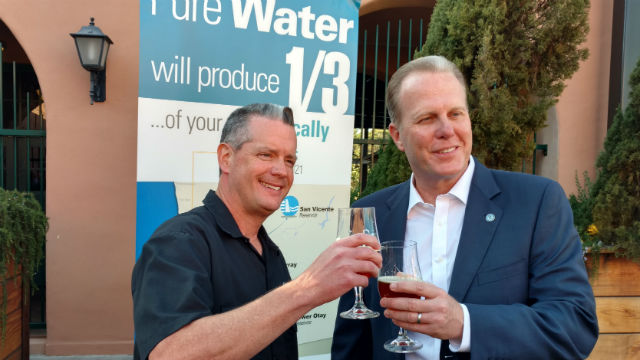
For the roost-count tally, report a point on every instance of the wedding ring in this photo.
(419, 317)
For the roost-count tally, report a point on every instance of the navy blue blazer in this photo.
(522, 275)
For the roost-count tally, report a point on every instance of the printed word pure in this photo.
(284, 21)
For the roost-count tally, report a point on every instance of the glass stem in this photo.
(358, 290)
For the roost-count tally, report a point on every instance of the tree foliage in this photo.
(392, 168)
(616, 191)
(515, 55)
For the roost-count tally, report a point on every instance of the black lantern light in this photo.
(93, 47)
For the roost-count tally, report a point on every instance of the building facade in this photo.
(91, 154)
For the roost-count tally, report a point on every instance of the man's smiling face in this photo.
(263, 166)
(434, 129)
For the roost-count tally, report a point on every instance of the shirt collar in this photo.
(228, 224)
(460, 190)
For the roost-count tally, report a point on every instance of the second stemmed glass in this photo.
(355, 221)
(399, 263)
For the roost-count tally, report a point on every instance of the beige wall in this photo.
(91, 170)
(582, 110)
(91, 159)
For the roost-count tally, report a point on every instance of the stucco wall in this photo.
(91, 171)
(582, 110)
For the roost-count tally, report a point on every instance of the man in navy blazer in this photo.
(503, 272)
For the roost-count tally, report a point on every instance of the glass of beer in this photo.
(399, 263)
(356, 221)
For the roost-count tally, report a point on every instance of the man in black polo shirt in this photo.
(210, 283)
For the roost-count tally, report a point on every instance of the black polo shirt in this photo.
(199, 264)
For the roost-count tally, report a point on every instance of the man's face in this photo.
(261, 170)
(434, 129)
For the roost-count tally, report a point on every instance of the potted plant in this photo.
(23, 226)
(607, 216)
(582, 205)
(616, 191)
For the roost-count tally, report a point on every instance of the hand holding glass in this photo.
(399, 263)
(355, 221)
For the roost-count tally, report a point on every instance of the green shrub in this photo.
(392, 168)
(582, 207)
(23, 227)
(616, 191)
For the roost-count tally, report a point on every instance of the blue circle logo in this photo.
(289, 206)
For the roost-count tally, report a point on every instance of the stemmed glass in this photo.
(355, 221)
(399, 263)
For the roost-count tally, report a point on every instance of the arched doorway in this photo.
(23, 142)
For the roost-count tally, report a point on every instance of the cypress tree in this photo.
(515, 55)
(616, 192)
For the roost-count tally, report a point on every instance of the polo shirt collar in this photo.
(227, 223)
(223, 216)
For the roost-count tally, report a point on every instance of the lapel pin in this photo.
(490, 217)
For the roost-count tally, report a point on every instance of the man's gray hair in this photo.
(428, 64)
(235, 131)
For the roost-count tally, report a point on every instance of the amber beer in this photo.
(385, 281)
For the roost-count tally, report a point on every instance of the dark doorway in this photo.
(23, 143)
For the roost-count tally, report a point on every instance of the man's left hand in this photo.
(442, 316)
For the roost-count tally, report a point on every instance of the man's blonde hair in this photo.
(428, 64)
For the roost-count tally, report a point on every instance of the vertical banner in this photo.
(200, 60)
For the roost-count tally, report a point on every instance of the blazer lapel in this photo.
(393, 219)
(481, 219)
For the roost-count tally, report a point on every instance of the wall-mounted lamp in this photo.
(93, 47)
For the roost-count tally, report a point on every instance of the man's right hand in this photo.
(341, 267)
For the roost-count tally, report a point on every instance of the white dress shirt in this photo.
(436, 230)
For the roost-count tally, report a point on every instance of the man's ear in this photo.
(394, 131)
(225, 157)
